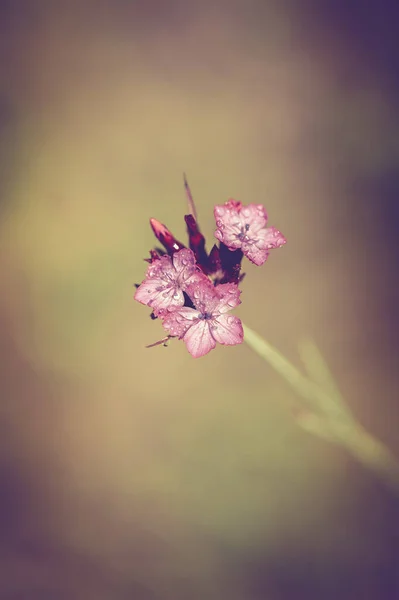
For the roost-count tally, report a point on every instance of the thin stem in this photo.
(328, 415)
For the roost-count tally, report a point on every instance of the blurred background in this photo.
(139, 473)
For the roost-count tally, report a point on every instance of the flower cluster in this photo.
(191, 291)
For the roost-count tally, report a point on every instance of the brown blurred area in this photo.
(146, 474)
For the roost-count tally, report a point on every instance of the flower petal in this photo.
(258, 250)
(203, 294)
(227, 330)
(235, 220)
(244, 227)
(255, 216)
(156, 293)
(198, 339)
(187, 270)
(272, 237)
(229, 295)
(178, 321)
(167, 279)
(184, 260)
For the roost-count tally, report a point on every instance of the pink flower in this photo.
(244, 227)
(207, 323)
(166, 280)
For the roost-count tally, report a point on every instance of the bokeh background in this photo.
(134, 473)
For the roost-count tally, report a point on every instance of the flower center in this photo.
(242, 236)
(206, 316)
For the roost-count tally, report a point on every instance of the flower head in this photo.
(244, 227)
(192, 291)
(166, 280)
(207, 322)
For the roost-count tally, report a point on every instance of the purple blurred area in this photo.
(128, 475)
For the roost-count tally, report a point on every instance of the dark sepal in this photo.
(187, 301)
(230, 264)
(155, 255)
(197, 243)
(214, 260)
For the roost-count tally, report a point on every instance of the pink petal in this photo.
(233, 219)
(258, 250)
(156, 294)
(184, 260)
(272, 237)
(203, 295)
(187, 270)
(227, 330)
(198, 339)
(178, 321)
(161, 268)
(255, 254)
(229, 296)
(254, 215)
(166, 279)
(244, 227)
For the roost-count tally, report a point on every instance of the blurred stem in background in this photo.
(325, 412)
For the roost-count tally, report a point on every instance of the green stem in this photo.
(328, 416)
